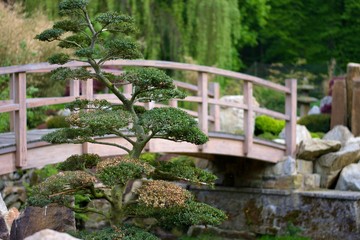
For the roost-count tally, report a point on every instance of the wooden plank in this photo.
(203, 105)
(215, 108)
(227, 104)
(20, 120)
(338, 117)
(271, 113)
(187, 86)
(87, 90)
(75, 88)
(290, 110)
(248, 118)
(12, 97)
(152, 63)
(38, 102)
(352, 73)
(9, 108)
(355, 111)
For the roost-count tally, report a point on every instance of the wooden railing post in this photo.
(75, 88)
(248, 118)
(128, 89)
(352, 73)
(355, 111)
(290, 110)
(203, 106)
(20, 119)
(12, 88)
(87, 89)
(215, 109)
(338, 117)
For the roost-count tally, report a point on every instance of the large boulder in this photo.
(349, 179)
(232, 119)
(34, 219)
(330, 165)
(302, 134)
(312, 149)
(339, 133)
(48, 234)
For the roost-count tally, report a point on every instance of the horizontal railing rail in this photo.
(205, 94)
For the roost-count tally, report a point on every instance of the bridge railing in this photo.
(206, 95)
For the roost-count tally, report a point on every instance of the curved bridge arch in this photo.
(23, 150)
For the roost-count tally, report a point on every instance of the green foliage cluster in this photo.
(183, 167)
(79, 162)
(57, 122)
(268, 125)
(193, 213)
(316, 122)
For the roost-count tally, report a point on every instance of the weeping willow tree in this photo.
(208, 32)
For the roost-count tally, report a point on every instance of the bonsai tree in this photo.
(95, 41)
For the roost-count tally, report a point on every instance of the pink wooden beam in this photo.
(290, 110)
(248, 118)
(203, 106)
(215, 108)
(20, 120)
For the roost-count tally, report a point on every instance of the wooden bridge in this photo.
(24, 149)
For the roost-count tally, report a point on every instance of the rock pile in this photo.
(336, 152)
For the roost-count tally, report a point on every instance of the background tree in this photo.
(95, 41)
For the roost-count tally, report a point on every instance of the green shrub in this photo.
(267, 136)
(316, 122)
(266, 124)
(57, 122)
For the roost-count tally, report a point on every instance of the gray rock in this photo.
(232, 119)
(48, 234)
(349, 179)
(4, 232)
(314, 110)
(312, 149)
(304, 167)
(311, 181)
(34, 219)
(287, 167)
(3, 208)
(339, 133)
(302, 134)
(330, 165)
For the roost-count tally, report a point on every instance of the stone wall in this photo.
(318, 214)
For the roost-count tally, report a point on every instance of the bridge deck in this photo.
(41, 153)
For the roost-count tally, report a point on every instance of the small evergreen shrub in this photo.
(266, 124)
(316, 122)
(57, 122)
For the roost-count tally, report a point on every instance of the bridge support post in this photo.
(203, 106)
(355, 111)
(248, 118)
(352, 73)
(339, 103)
(215, 109)
(290, 110)
(20, 119)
